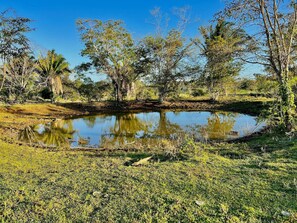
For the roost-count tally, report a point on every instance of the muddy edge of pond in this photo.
(16, 117)
(247, 107)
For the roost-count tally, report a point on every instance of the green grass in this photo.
(243, 182)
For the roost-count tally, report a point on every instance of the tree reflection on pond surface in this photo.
(56, 133)
(140, 129)
(219, 126)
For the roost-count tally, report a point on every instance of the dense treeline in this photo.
(164, 65)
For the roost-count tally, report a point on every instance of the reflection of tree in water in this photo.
(29, 134)
(165, 127)
(219, 126)
(90, 121)
(125, 130)
(128, 129)
(163, 131)
(56, 133)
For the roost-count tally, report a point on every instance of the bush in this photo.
(199, 92)
(247, 84)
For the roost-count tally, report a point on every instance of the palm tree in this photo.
(52, 68)
(223, 47)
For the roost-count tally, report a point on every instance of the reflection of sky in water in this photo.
(245, 124)
(188, 119)
(95, 129)
(94, 132)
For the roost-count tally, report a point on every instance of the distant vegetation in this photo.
(167, 65)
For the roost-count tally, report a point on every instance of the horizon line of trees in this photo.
(167, 62)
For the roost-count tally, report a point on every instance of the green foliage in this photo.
(51, 69)
(266, 85)
(95, 91)
(144, 92)
(221, 46)
(247, 84)
(274, 46)
(168, 67)
(46, 93)
(198, 92)
(13, 40)
(111, 50)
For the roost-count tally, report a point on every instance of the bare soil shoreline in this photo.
(246, 107)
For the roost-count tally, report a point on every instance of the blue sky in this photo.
(54, 20)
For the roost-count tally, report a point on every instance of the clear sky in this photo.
(54, 20)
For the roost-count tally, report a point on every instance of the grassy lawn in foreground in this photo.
(254, 182)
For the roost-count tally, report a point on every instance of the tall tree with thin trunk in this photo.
(21, 78)
(274, 27)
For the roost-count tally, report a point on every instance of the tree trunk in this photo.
(162, 93)
(131, 91)
(214, 94)
(161, 97)
(119, 93)
(4, 77)
(287, 104)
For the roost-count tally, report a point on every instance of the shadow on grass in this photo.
(133, 157)
(275, 143)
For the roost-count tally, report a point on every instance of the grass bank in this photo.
(255, 181)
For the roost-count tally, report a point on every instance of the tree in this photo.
(265, 84)
(221, 46)
(274, 28)
(93, 90)
(170, 56)
(112, 51)
(13, 41)
(21, 77)
(51, 69)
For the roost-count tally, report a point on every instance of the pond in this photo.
(141, 128)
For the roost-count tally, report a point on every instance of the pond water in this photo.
(144, 128)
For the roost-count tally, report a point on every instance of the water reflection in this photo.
(219, 126)
(122, 129)
(126, 129)
(166, 127)
(56, 133)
